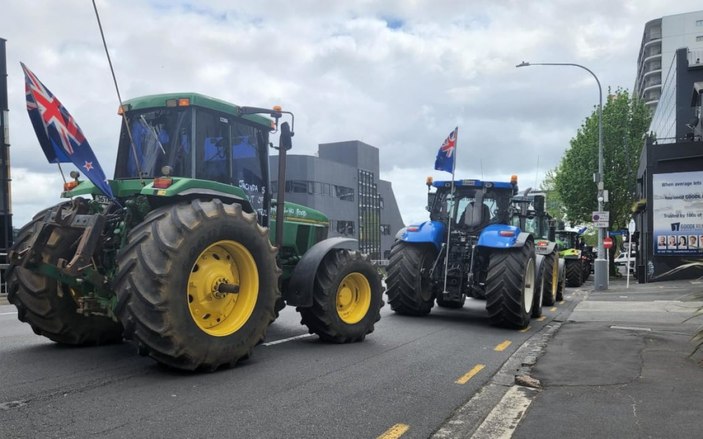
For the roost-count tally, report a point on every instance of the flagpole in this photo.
(451, 209)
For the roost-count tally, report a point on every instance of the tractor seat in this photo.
(475, 217)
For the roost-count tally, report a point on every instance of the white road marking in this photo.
(631, 328)
(502, 421)
(8, 313)
(284, 340)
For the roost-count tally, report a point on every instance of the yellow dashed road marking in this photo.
(395, 431)
(526, 329)
(470, 374)
(561, 303)
(552, 309)
(541, 319)
(501, 347)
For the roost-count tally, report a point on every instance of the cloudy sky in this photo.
(399, 75)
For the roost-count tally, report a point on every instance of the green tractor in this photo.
(577, 257)
(528, 213)
(180, 260)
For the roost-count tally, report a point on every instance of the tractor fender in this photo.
(544, 247)
(300, 285)
(503, 236)
(428, 232)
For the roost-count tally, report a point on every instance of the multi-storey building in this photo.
(660, 40)
(343, 182)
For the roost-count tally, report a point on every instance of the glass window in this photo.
(297, 186)
(229, 152)
(159, 137)
(344, 193)
(345, 227)
(699, 22)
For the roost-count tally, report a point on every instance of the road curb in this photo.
(469, 419)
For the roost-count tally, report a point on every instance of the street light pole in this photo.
(601, 265)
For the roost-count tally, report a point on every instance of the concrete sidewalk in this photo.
(619, 367)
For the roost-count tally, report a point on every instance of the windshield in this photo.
(160, 137)
(566, 239)
(495, 204)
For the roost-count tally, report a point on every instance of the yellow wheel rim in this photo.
(353, 298)
(216, 306)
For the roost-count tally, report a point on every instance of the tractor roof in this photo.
(474, 184)
(195, 99)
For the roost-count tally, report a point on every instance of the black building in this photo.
(669, 213)
(343, 182)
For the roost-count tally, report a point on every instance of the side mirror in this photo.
(430, 200)
(286, 139)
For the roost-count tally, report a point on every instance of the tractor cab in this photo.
(528, 213)
(193, 136)
(567, 239)
(472, 204)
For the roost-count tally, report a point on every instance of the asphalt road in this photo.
(403, 381)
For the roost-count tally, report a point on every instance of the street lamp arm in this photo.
(601, 280)
(527, 64)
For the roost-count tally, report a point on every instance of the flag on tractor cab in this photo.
(446, 154)
(60, 137)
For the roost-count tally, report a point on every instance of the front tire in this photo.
(409, 284)
(45, 303)
(197, 285)
(574, 273)
(347, 298)
(510, 286)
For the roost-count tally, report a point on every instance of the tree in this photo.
(554, 206)
(625, 123)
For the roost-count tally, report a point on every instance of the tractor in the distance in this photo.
(530, 215)
(467, 248)
(180, 260)
(578, 257)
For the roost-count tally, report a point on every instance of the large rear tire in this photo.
(48, 305)
(409, 287)
(510, 286)
(347, 298)
(574, 273)
(551, 279)
(197, 285)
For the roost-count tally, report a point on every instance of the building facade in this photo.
(669, 213)
(661, 39)
(343, 182)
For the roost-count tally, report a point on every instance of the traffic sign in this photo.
(601, 219)
(607, 242)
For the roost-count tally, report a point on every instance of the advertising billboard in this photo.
(677, 212)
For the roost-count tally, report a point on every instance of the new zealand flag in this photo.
(60, 137)
(445, 155)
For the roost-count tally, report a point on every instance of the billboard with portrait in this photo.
(677, 212)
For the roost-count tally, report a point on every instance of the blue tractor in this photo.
(467, 248)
